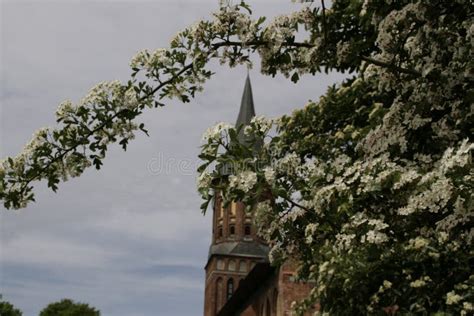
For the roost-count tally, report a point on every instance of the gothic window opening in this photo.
(230, 288)
(219, 232)
(233, 209)
(247, 230)
(275, 301)
(232, 230)
(231, 265)
(219, 299)
(221, 210)
(268, 310)
(243, 266)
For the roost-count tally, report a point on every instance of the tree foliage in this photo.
(370, 186)
(7, 309)
(67, 307)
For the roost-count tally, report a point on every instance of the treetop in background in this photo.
(67, 307)
(7, 309)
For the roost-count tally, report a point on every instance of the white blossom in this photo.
(204, 180)
(214, 133)
(374, 237)
(417, 243)
(269, 174)
(261, 124)
(452, 298)
(418, 283)
(244, 181)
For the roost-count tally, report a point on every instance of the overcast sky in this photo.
(130, 238)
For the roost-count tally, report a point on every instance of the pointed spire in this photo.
(246, 113)
(247, 110)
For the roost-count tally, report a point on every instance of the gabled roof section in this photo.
(257, 279)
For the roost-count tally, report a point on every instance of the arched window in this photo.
(220, 264)
(218, 208)
(221, 210)
(243, 266)
(219, 295)
(247, 230)
(268, 309)
(233, 209)
(230, 288)
(232, 230)
(275, 301)
(219, 232)
(231, 265)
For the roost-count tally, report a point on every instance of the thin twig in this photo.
(390, 66)
(308, 45)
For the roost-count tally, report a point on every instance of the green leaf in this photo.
(295, 77)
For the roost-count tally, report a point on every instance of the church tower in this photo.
(235, 247)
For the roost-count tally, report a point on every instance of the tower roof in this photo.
(247, 109)
(240, 249)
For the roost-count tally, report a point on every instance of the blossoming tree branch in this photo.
(369, 188)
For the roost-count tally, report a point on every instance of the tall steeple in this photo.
(235, 246)
(247, 109)
(246, 113)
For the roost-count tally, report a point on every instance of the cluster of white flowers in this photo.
(261, 124)
(140, 59)
(244, 181)
(406, 178)
(421, 282)
(468, 308)
(269, 174)
(378, 224)
(374, 237)
(40, 138)
(204, 181)
(293, 215)
(418, 243)
(344, 241)
(289, 164)
(215, 133)
(385, 286)
(343, 51)
(130, 99)
(102, 92)
(65, 108)
(310, 231)
(341, 162)
(279, 30)
(452, 298)
(150, 61)
(455, 159)
(276, 254)
(434, 199)
(390, 133)
(312, 169)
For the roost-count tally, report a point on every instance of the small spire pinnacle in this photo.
(247, 110)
